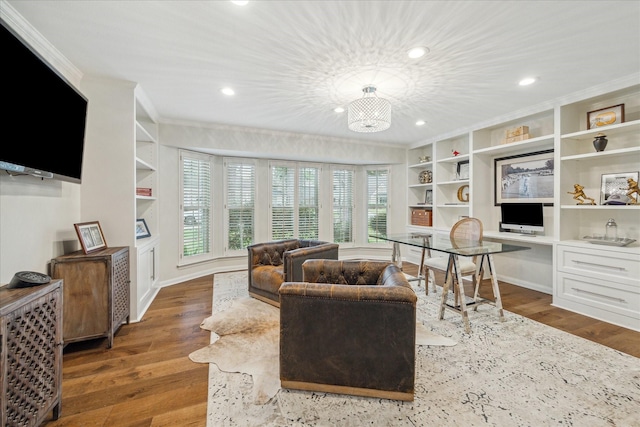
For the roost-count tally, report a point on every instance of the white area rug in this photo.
(513, 373)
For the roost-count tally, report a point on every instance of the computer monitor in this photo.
(526, 218)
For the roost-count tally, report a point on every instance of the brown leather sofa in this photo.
(350, 330)
(276, 262)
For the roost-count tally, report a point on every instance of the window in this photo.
(282, 202)
(295, 202)
(343, 204)
(196, 205)
(240, 202)
(377, 185)
(308, 203)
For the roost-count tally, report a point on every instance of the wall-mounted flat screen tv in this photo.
(43, 113)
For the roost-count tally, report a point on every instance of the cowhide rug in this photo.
(245, 339)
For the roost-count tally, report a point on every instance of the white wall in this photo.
(36, 216)
(36, 223)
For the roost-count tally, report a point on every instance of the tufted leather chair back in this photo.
(272, 253)
(343, 272)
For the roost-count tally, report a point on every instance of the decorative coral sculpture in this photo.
(579, 195)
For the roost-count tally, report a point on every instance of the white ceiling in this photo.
(292, 62)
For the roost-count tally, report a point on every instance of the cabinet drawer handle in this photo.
(599, 265)
(599, 295)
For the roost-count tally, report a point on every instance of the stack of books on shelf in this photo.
(143, 191)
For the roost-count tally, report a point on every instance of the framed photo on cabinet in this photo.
(90, 236)
(524, 178)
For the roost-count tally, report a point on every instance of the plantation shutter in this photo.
(282, 202)
(241, 184)
(196, 205)
(377, 185)
(308, 205)
(343, 204)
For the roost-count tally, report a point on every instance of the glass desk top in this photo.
(443, 243)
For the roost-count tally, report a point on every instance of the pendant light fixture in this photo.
(369, 113)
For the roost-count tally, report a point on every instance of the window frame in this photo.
(227, 230)
(296, 166)
(205, 256)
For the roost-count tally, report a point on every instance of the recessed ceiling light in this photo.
(239, 3)
(339, 110)
(420, 123)
(417, 52)
(228, 91)
(527, 81)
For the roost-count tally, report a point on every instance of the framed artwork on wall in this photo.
(90, 236)
(524, 178)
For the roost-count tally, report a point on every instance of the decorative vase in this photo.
(600, 142)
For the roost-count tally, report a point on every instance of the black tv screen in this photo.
(44, 114)
(523, 217)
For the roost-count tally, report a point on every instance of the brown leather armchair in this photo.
(276, 262)
(350, 330)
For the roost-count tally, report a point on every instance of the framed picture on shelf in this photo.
(428, 197)
(142, 230)
(524, 178)
(605, 116)
(90, 236)
(462, 170)
(619, 188)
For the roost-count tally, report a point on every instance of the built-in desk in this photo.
(519, 237)
(532, 269)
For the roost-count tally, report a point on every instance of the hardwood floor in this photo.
(147, 378)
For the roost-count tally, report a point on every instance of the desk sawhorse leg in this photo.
(454, 277)
(396, 258)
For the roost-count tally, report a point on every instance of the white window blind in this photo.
(196, 204)
(282, 202)
(343, 205)
(240, 204)
(308, 203)
(377, 185)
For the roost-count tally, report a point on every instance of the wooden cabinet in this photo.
(96, 292)
(30, 354)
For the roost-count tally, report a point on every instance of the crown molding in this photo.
(40, 44)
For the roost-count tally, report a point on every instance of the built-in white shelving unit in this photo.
(607, 287)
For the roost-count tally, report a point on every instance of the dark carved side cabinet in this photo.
(96, 292)
(30, 354)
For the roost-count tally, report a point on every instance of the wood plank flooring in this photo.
(147, 378)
